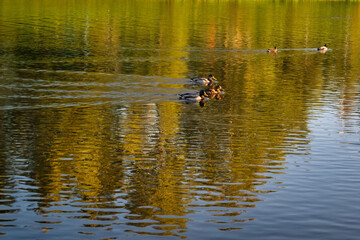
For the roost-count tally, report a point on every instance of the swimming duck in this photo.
(272, 50)
(322, 48)
(193, 97)
(204, 81)
(212, 92)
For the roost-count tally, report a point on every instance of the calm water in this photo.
(96, 145)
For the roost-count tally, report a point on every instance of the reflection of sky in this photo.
(320, 189)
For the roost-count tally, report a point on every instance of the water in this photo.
(95, 143)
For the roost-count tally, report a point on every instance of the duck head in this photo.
(211, 77)
(202, 93)
(218, 88)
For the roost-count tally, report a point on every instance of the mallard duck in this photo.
(193, 97)
(322, 48)
(272, 50)
(204, 81)
(212, 92)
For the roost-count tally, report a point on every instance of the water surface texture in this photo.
(95, 144)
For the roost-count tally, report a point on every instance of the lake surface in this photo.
(95, 143)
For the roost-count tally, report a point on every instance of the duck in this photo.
(213, 92)
(322, 48)
(272, 50)
(193, 97)
(204, 81)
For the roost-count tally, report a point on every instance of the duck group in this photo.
(210, 91)
(322, 49)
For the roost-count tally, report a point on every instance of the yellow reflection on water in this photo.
(91, 116)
